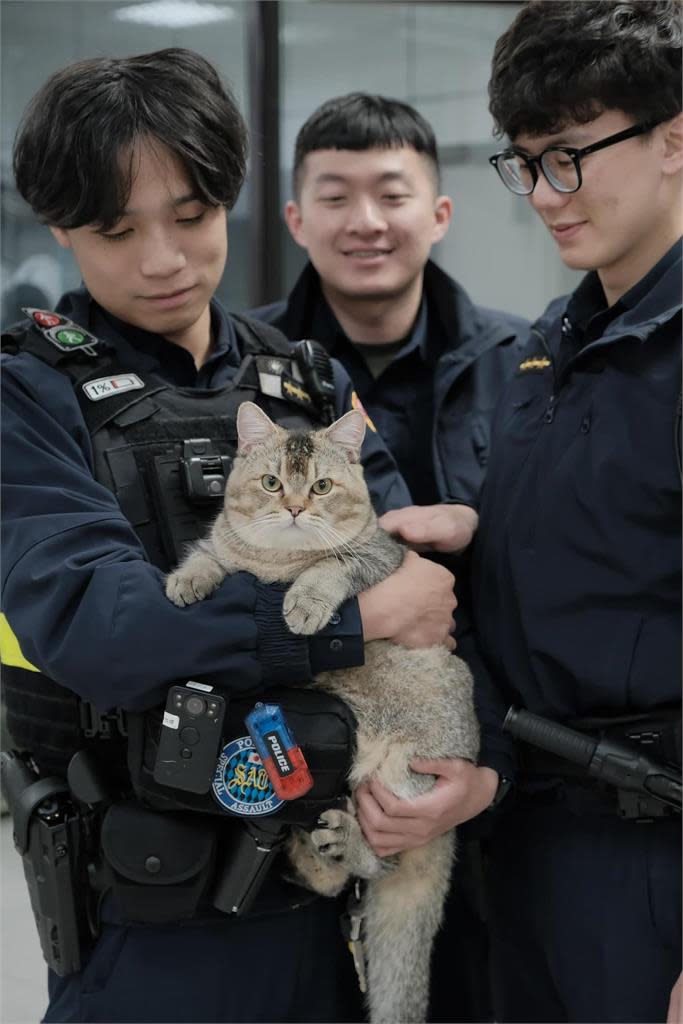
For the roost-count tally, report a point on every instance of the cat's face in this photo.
(297, 490)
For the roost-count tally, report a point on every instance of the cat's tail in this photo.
(403, 912)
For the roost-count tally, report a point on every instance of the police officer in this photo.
(426, 363)
(135, 164)
(368, 210)
(577, 562)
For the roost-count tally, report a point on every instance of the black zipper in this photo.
(677, 433)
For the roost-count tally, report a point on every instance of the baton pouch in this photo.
(158, 866)
(324, 728)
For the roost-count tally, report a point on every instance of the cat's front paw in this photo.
(306, 611)
(184, 589)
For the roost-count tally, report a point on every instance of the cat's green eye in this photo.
(270, 483)
(322, 486)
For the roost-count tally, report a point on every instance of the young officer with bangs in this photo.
(135, 164)
(577, 560)
(367, 209)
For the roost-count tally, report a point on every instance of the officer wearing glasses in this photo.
(560, 165)
(577, 560)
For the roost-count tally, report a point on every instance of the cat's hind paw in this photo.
(305, 612)
(331, 837)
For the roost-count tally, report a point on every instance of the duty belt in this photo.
(632, 762)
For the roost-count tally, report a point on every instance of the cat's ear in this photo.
(348, 432)
(253, 427)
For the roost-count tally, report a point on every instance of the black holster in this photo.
(52, 838)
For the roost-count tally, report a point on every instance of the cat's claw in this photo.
(184, 590)
(331, 838)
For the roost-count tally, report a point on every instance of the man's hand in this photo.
(414, 606)
(675, 1014)
(448, 528)
(390, 824)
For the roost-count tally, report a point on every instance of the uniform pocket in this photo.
(159, 864)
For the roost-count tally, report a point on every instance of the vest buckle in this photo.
(103, 725)
(204, 471)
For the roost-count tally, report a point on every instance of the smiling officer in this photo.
(577, 562)
(427, 364)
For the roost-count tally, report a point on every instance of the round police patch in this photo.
(241, 784)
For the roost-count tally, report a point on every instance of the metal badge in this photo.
(535, 364)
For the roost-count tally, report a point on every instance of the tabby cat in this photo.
(297, 510)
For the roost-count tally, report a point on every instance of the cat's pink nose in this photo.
(294, 509)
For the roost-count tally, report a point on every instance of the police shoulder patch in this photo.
(61, 332)
(357, 404)
(241, 784)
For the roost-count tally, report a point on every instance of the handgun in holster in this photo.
(48, 835)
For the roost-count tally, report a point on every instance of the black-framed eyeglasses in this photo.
(561, 165)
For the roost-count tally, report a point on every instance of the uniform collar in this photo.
(587, 309)
(146, 349)
(647, 284)
(324, 324)
(653, 301)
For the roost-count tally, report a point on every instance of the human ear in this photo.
(443, 211)
(672, 140)
(294, 222)
(61, 236)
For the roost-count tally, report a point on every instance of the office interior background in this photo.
(283, 58)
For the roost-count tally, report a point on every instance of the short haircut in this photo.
(74, 152)
(566, 61)
(364, 121)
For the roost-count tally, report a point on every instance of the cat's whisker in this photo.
(342, 543)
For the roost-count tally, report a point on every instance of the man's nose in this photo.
(545, 197)
(366, 216)
(162, 256)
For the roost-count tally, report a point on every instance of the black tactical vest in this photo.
(165, 453)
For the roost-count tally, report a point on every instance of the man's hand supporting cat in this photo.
(414, 606)
(433, 527)
(462, 791)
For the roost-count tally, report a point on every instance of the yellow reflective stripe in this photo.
(10, 651)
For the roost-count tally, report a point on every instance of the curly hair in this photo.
(74, 154)
(565, 61)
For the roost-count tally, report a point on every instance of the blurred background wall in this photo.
(283, 58)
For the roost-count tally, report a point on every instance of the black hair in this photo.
(564, 61)
(364, 121)
(74, 155)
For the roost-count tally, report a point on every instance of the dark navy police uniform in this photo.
(432, 399)
(433, 402)
(90, 612)
(577, 573)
